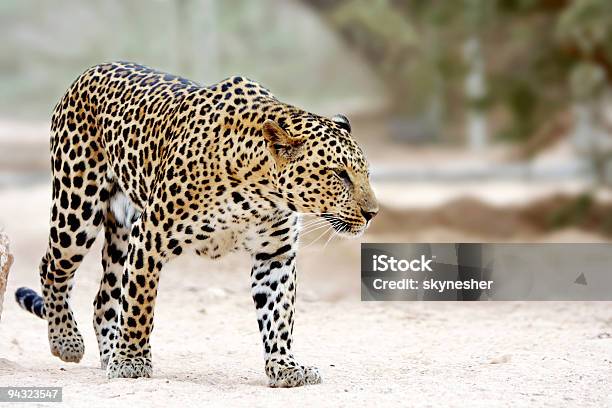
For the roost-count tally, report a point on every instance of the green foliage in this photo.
(531, 49)
(583, 211)
(521, 98)
(587, 24)
(369, 14)
(575, 212)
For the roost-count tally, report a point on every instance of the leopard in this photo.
(166, 166)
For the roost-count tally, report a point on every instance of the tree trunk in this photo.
(475, 92)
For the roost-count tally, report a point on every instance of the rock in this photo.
(501, 359)
(216, 293)
(6, 259)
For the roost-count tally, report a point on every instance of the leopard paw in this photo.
(289, 375)
(68, 347)
(129, 367)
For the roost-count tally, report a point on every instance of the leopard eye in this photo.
(344, 176)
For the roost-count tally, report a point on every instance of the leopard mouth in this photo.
(343, 227)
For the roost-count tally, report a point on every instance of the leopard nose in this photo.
(368, 215)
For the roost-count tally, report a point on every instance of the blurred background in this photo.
(482, 119)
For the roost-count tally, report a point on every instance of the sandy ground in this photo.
(207, 351)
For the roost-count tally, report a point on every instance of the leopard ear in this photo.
(343, 122)
(281, 144)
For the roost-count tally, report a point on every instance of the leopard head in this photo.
(322, 170)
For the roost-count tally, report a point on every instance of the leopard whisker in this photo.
(314, 229)
(319, 237)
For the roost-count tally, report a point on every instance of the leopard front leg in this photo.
(147, 252)
(273, 287)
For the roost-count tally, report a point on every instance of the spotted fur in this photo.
(166, 166)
